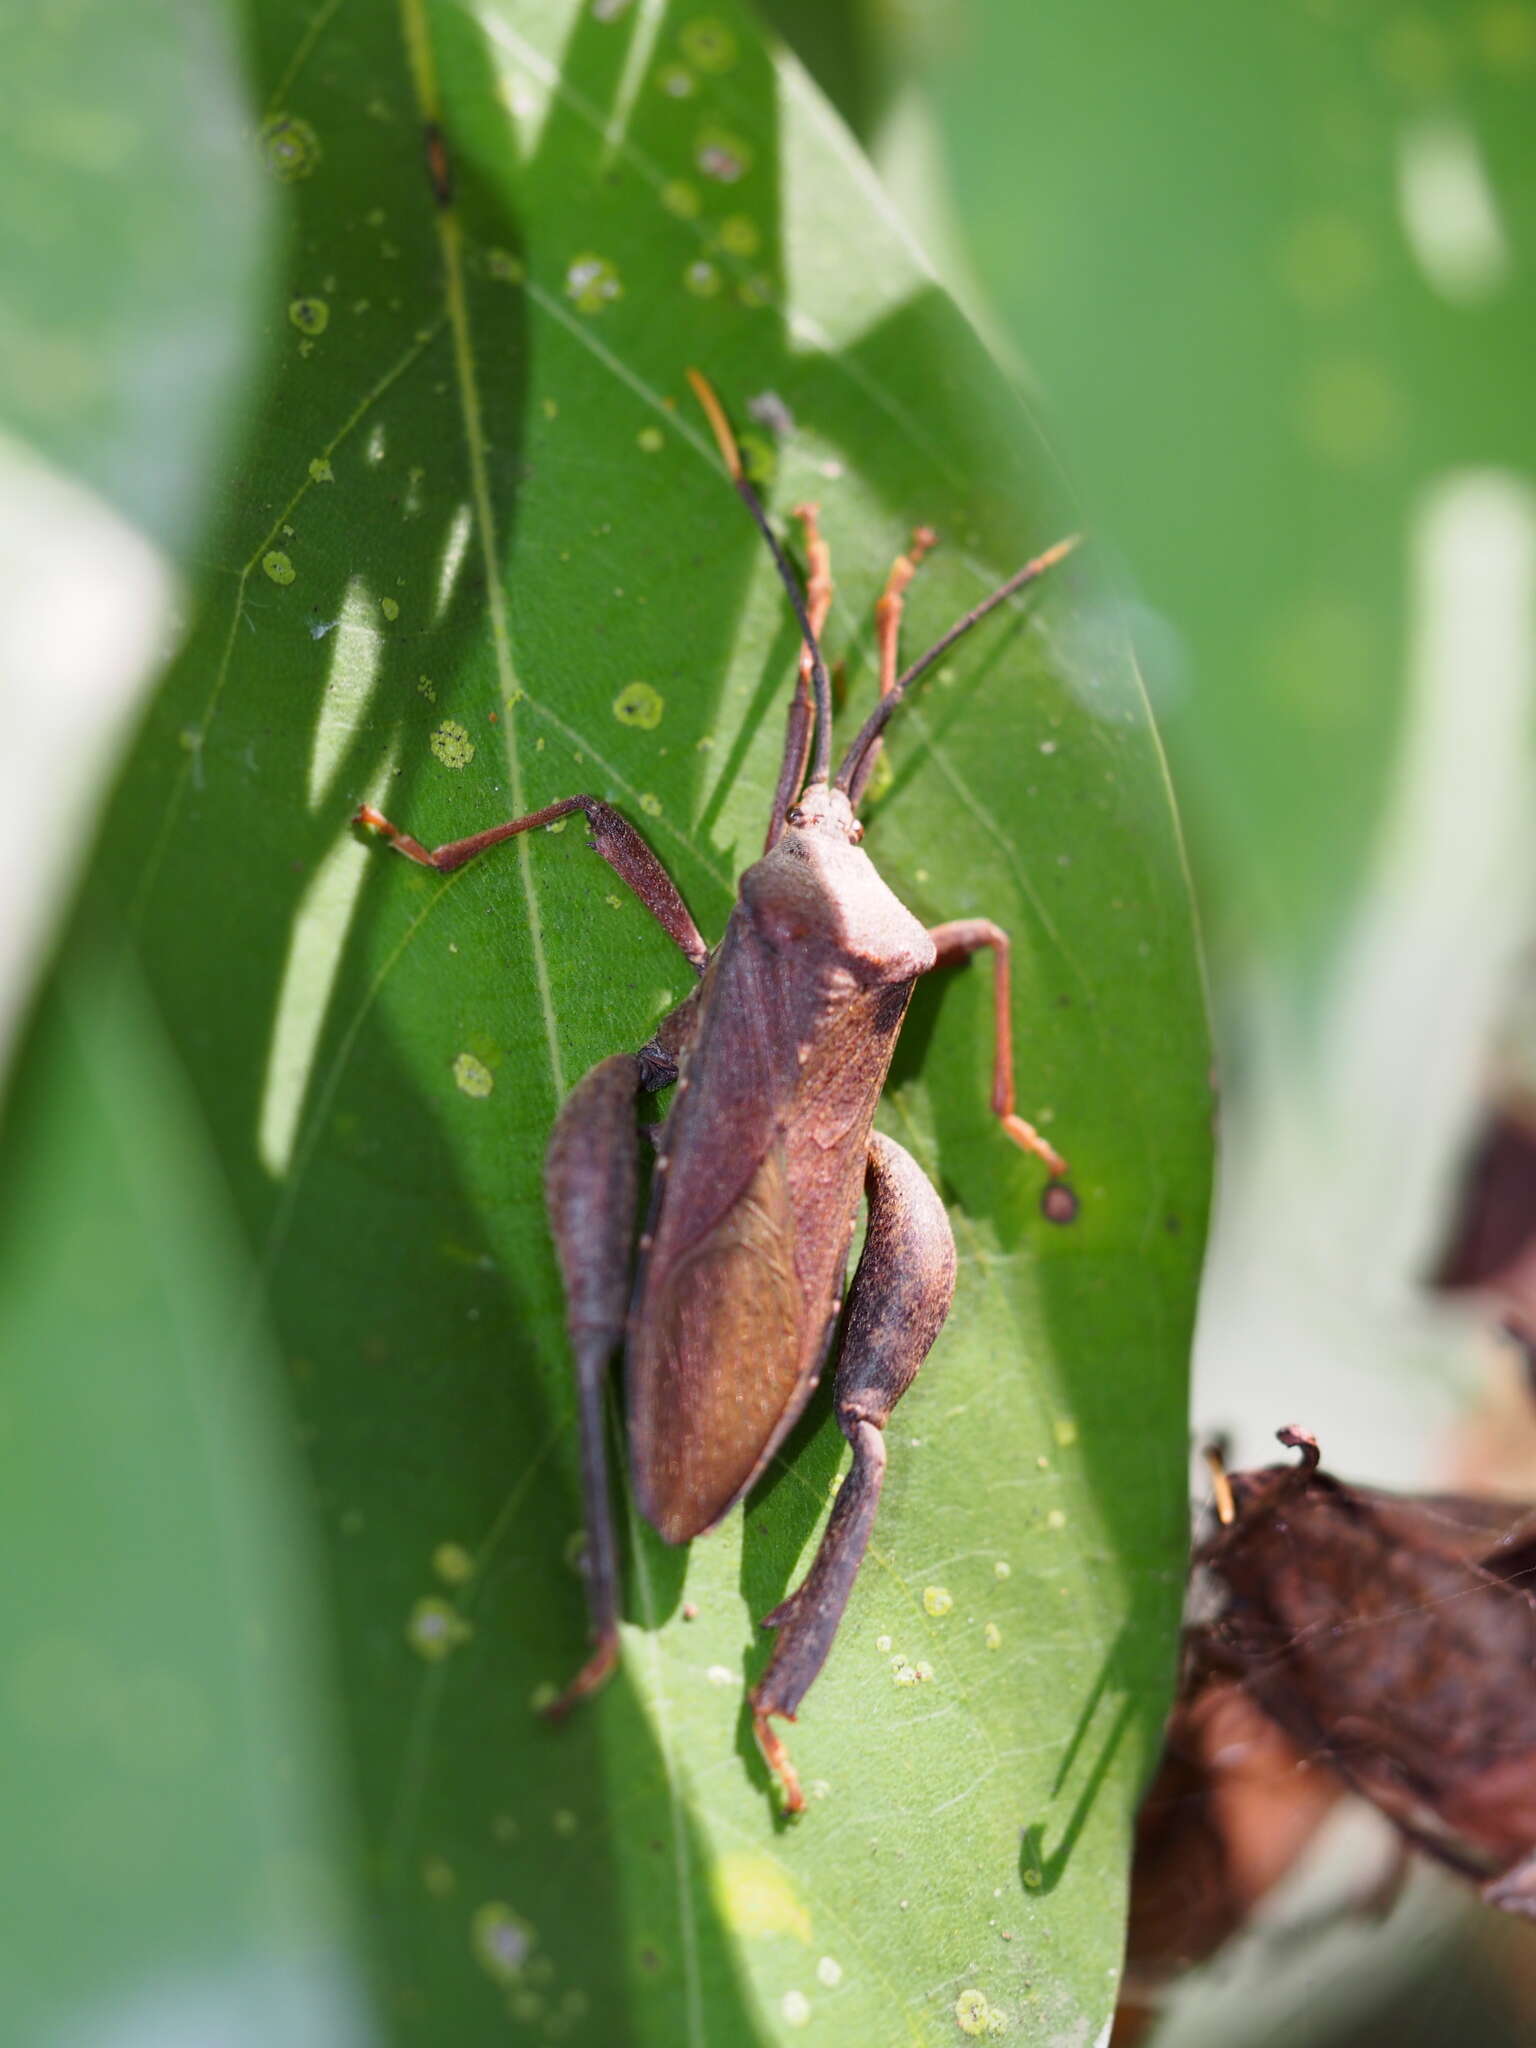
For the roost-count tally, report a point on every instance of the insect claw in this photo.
(587, 1680)
(776, 1757)
(372, 820)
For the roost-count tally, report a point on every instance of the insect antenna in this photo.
(714, 412)
(878, 719)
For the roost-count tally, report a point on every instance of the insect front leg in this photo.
(897, 1305)
(613, 837)
(956, 942)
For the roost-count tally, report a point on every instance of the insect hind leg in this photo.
(897, 1305)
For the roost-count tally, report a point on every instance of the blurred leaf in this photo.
(175, 1831)
(1276, 273)
(479, 553)
(130, 236)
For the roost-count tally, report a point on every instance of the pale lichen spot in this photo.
(937, 1600)
(903, 1673)
(883, 1645)
(924, 1671)
(320, 470)
(564, 1822)
(739, 236)
(796, 2008)
(389, 608)
(720, 1674)
(755, 1896)
(708, 44)
(976, 2015)
(452, 744)
(425, 687)
(829, 1971)
(639, 704)
(453, 1563)
(276, 565)
(1002, 1569)
(472, 1076)
(440, 1878)
(721, 155)
(504, 266)
(501, 1940)
(435, 1629)
(614, 902)
(290, 148)
(677, 81)
(992, 1635)
(310, 316)
(651, 805)
(1056, 1519)
(592, 283)
(1064, 1429)
(702, 279)
(651, 439)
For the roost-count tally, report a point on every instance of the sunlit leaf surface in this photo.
(478, 553)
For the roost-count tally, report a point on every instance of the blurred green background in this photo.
(1265, 279)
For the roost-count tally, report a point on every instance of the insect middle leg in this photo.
(613, 837)
(897, 1305)
(957, 942)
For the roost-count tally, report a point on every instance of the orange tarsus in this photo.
(587, 1680)
(776, 1757)
(720, 426)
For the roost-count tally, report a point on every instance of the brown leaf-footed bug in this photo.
(779, 1055)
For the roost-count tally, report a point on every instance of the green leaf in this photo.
(477, 512)
(1277, 283)
(179, 1846)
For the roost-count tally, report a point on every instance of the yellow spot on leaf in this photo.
(320, 471)
(501, 1940)
(435, 1630)
(389, 608)
(310, 316)
(452, 744)
(290, 148)
(639, 704)
(753, 1893)
(708, 44)
(473, 1076)
(683, 199)
(451, 1561)
(702, 279)
(651, 439)
(937, 1600)
(277, 565)
(592, 282)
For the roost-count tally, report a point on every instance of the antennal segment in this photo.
(878, 719)
(730, 454)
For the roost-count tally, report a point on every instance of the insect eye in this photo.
(794, 815)
(858, 831)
